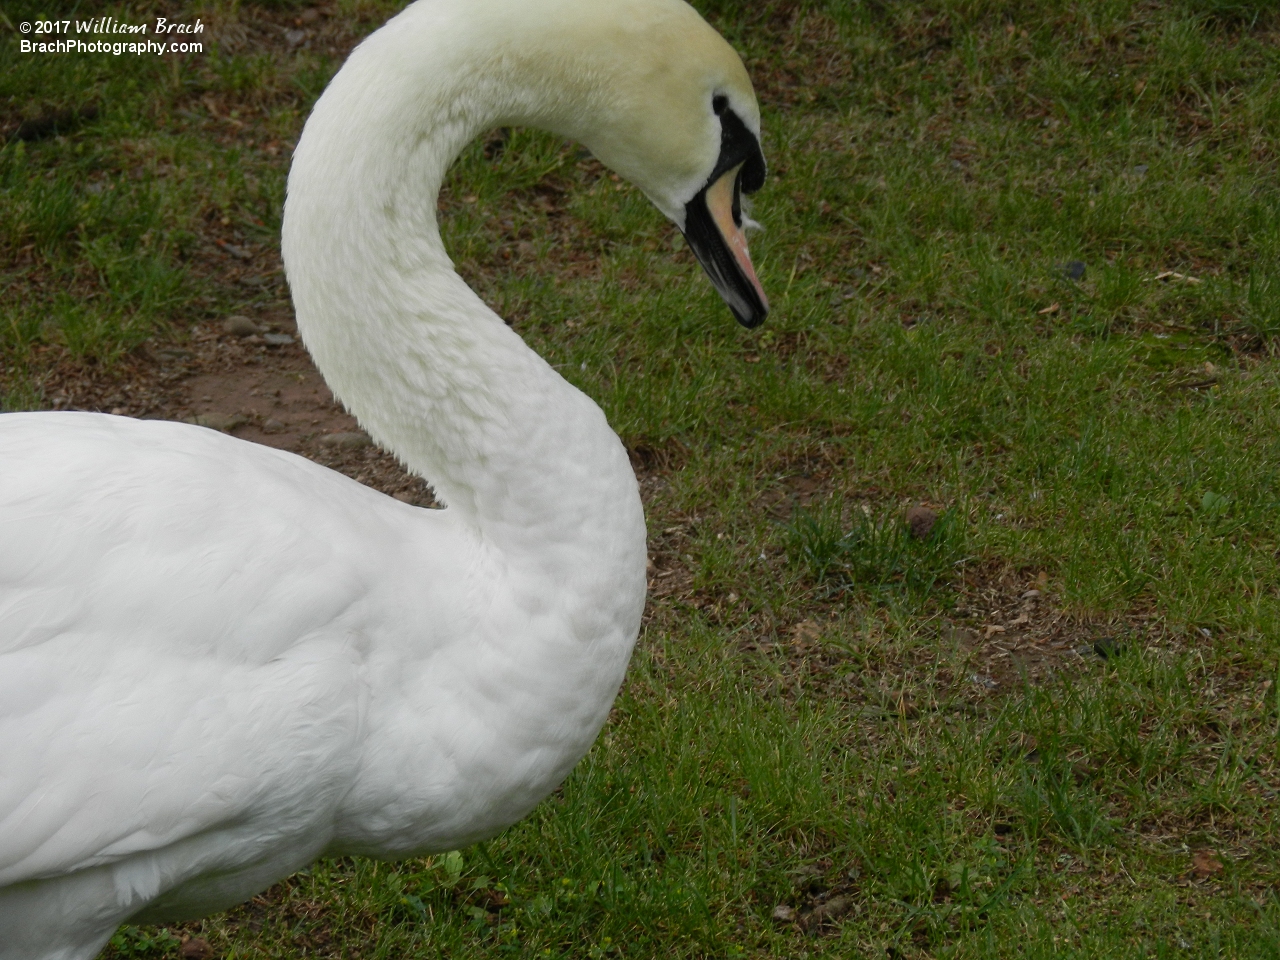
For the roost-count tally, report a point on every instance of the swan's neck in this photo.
(431, 372)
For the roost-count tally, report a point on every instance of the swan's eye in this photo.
(719, 103)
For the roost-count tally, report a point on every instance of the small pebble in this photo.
(277, 339)
(1107, 648)
(784, 913)
(240, 253)
(920, 521)
(272, 426)
(1072, 269)
(219, 421)
(353, 440)
(240, 326)
(1031, 595)
(833, 909)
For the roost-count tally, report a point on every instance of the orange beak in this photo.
(713, 228)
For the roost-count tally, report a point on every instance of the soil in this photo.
(246, 386)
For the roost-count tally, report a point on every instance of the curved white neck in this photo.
(432, 373)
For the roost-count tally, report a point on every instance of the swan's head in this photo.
(647, 85)
(713, 219)
(661, 98)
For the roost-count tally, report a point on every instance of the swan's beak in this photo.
(713, 229)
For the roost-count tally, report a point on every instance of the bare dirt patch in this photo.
(269, 393)
(997, 631)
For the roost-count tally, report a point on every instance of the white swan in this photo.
(219, 661)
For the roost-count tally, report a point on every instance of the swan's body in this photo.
(219, 661)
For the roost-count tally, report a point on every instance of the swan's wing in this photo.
(179, 638)
(105, 758)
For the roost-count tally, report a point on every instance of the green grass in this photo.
(800, 724)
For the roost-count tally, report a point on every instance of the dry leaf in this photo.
(807, 631)
(1051, 308)
(1205, 864)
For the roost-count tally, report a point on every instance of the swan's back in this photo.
(209, 516)
(245, 576)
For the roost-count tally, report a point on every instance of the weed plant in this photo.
(871, 551)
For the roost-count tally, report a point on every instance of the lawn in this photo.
(1024, 259)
